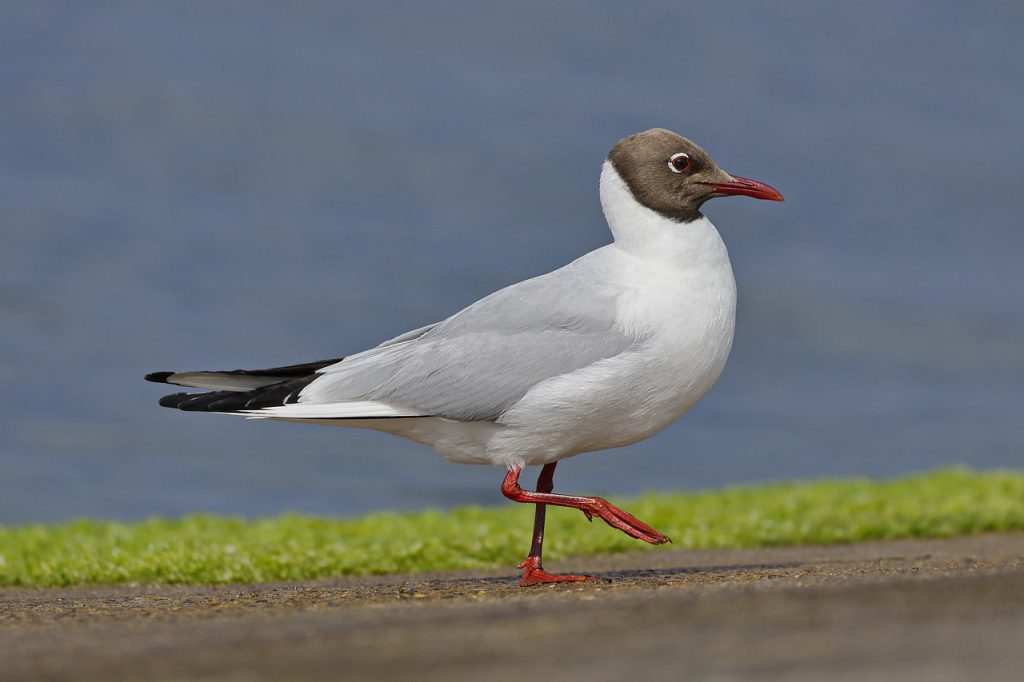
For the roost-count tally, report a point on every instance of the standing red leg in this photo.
(590, 506)
(534, 573)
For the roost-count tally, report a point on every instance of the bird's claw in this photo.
(534, 574)
(624, 521)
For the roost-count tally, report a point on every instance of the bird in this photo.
(600, 353)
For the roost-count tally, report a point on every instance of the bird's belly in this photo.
(617, 401)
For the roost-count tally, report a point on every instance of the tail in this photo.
(239, 389)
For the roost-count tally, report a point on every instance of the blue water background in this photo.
(220, 185)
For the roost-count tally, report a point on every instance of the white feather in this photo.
(355, 409)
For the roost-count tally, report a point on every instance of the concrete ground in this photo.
(903, 610)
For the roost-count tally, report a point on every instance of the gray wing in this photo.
(477, 363)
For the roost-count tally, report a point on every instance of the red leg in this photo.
(590, 506)
(534, 573)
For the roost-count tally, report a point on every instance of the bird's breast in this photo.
(686, 319)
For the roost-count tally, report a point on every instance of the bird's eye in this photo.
(679, 163)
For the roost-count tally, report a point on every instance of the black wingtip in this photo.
(158, 377)
(212, 401)
(175, 399)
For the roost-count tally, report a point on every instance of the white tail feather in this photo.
(355, 409)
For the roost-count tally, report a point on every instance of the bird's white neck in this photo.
(648, 234)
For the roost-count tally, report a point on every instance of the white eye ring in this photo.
(679, 167)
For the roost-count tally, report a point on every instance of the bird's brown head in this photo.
(673, 176)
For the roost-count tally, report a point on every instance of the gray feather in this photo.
(477, 363)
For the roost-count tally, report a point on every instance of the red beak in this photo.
(747, 188)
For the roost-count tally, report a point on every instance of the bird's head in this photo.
(673, 176)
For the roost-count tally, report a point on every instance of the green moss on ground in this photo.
(216, 549)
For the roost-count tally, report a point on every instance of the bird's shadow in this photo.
(668, 573)
(629, 576)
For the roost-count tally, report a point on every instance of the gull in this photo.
(600, 353)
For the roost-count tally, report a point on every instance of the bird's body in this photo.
(600, 353)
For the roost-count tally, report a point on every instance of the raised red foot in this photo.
(535, 575)
(590, 506)
(623, 520)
